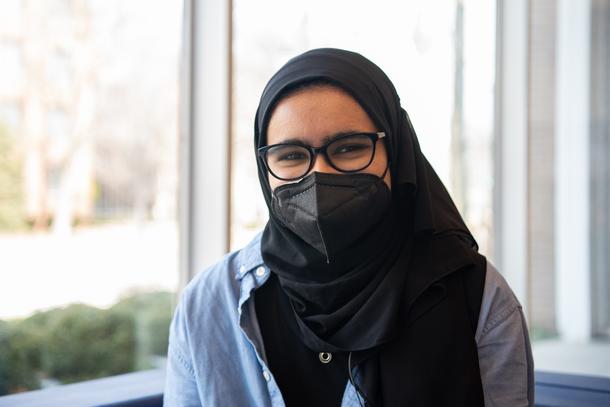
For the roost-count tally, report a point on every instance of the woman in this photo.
(366, 287)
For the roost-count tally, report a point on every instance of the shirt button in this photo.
(260, 271)
(242, 269)
(266, 375)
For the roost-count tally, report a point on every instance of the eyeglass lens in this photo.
(291, 161)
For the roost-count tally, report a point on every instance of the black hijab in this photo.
(353, 302)
(412, 175)
(357, 302)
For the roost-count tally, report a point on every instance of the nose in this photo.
(321, 165)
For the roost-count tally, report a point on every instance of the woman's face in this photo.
(316, 114)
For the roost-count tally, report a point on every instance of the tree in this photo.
(12, 215)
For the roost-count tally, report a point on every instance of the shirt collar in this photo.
(250, 260)
(251, 271)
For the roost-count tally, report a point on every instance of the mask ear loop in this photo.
(387, 167)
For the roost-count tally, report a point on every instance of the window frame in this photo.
(205, 125)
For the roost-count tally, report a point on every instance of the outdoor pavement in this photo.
(94, 265)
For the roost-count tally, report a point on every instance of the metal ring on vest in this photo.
(325, 357)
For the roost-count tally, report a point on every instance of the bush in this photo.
(152, 313)
(80, 342)
(19, 359)
(84, 343)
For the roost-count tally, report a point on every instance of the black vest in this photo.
(433, 362)
(436, 357)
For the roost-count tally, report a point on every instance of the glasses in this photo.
(347, 153)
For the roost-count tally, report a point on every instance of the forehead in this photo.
(315, 113)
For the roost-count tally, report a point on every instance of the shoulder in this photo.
(498, 302)
(214, 292)
(205, 331)
(503, 344)
(223, 277)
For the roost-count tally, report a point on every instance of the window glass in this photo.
(440, 56)
(88, 188)
(11, 79)
(11, 18)
(570, 307)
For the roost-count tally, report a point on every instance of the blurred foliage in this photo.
(152, 313)
(12, 214)
(18, 360)
(81, 342)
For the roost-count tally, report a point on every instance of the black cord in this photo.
(360, 392)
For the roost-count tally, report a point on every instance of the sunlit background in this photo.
(90, 162)
(88, 174)
(417, 43)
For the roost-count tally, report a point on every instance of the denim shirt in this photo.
(216, 355)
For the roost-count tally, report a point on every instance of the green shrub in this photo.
(80, 342)
(152, 313)
(84, 343)
(19, 359)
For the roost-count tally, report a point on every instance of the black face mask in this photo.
(332, 211)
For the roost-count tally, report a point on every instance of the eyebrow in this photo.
(325, 139)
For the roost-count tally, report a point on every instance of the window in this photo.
(511, 107)
(12, 69)
(11, 18)
(516, 125)
(553, 134)
(88, 188)
(440, 56)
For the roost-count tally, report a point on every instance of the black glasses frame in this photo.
(314, 151)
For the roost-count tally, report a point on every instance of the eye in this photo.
(349, 148)
(287, 155)
(291, 156)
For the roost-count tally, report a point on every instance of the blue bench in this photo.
(567, 390)
(145, 389)
(139, 389)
